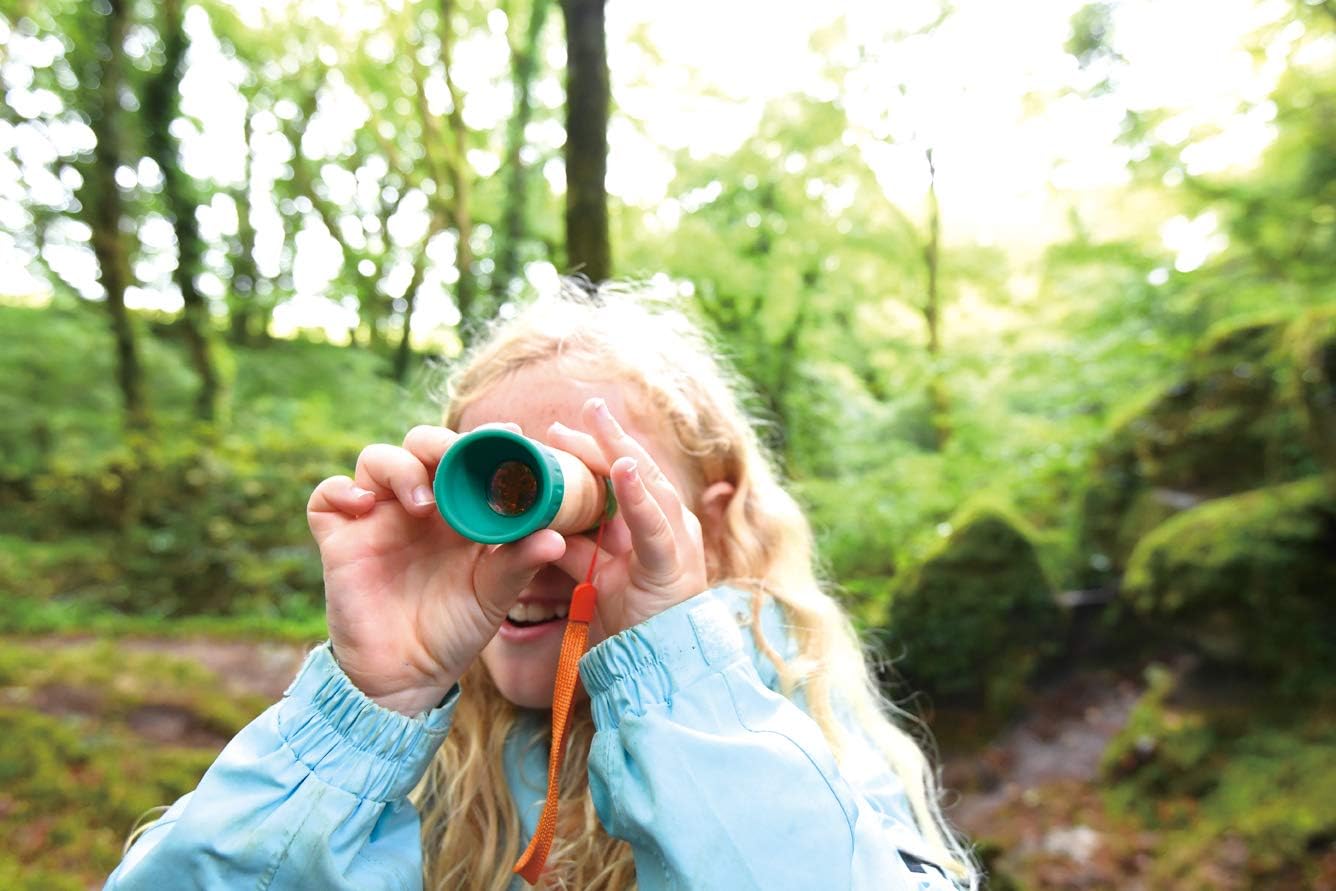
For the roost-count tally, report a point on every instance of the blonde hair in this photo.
(471, 834)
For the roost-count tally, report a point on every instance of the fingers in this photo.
(503, 571)
(392, 472)
(579, 444)
(616, 443)
(428, 444)
(336, 496)
(652, 536)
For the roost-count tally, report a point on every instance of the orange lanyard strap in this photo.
(573, 641)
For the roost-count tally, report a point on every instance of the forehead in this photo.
(536, 395)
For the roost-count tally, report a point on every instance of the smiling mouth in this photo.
(526, 615)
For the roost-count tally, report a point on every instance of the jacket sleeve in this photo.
(311, 794)
(717, 781)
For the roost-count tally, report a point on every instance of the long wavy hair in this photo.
(471, 832)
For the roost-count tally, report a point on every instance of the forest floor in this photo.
(1030, 798)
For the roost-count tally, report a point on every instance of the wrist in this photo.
(410, 701)
(413, 702)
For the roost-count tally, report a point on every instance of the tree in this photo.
(523, 70)
(101, 200)
(588, 97)
(161, 106)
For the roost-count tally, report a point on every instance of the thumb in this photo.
(502, 572)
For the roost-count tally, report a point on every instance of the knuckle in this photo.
(420, 434)
(373, 454)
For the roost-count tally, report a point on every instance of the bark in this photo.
(102, 200)
(466, 288)
(249, 321)
(523, 68)
(161, 106)
(588, 98)
(404, 353)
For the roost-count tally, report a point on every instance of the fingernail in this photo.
(629, 468)
(601, 409)
(422, 496)
(558, 427)
(359, 492)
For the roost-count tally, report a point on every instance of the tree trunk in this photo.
(404, 352)
(586, 151)
(938, 397)
(161, 105)
(102, 200)
(248, 322)
(466, 288)
(523, 67)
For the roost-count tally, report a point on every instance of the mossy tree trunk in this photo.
(466, 288)
(249, 320)
(523, 68)
(588, 97)
(161, 106)
(101, 201)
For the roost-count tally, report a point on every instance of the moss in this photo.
(1312, 343)
(1226, 426)
(74, 776)
(1247, 579)
(1197, 774)
(978, 616)
(113, 683)
(71, 796)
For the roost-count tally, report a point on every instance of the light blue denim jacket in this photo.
(714, 778)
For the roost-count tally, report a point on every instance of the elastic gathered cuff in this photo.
(647, 663)
(352, 743)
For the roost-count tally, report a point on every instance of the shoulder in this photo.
(758, 612)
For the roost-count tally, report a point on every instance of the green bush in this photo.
(1246, 579)
(978, 617)
(188, 519)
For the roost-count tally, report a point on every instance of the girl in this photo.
(731, 736)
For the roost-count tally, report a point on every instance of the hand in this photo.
(410, 603)
(663, 563)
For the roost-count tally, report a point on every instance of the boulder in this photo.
(978, 616)
(1248, 580)
(1226, 426)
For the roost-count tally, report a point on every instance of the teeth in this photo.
(536, 612)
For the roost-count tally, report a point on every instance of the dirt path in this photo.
(1061, 739)
(264, 668)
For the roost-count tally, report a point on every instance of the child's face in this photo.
(522, 661)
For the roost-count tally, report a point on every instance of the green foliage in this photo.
(1248, 579)
(1197, 773)
(978, 617)
(210, 523)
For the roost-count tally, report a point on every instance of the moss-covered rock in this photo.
(1312, 340)
(1225, 427)
(978, 616)
(1249, 579)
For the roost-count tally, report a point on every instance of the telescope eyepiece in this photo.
(513, 489)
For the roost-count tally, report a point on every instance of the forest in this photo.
(1036, 311)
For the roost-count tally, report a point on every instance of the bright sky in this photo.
(1008, 165)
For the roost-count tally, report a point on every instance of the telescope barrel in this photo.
(494, 485)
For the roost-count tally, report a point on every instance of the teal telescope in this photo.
(494, 486)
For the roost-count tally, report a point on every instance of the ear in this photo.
(713, 504)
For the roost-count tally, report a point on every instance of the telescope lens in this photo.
(513, 489)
